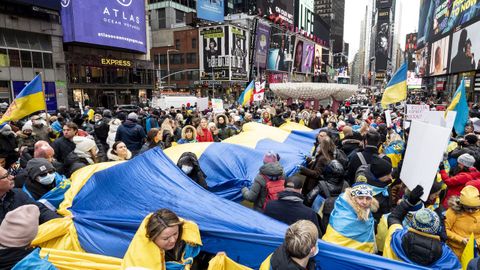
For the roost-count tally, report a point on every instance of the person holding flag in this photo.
(31, 99)
(396, 89)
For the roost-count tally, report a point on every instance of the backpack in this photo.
(273, 188)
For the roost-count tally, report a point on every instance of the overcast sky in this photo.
(355, 12)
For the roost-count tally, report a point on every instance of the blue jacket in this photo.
(132, 134)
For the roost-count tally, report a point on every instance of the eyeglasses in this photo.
(5, 176)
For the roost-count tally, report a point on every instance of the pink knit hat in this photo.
(20, 226)
(270, 157)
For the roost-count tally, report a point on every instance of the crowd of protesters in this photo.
(349, 191)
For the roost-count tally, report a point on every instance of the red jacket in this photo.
(207, 136)
(457, 183)
(475, 183)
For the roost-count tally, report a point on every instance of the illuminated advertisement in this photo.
(410, 48)
(382, 42)
(277, 11)
(211, 10)
(317, 62)
(280, 54)
(304, 15)
(112, 23)
(262, 45)
(213, 53)
(304, 52)
(465, 50)
(439, 56)
(421, 57)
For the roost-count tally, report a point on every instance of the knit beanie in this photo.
(467, 160)
(132, 116)
(362, 190)
(270, 157)
(38, 166)
(20, 226)
(425, 220)
(469, 196)
(380, 167)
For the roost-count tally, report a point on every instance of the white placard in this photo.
(426, 144)
(202, 104)
(217, 105)
(438, 118)
(414, 112)
(388, 118)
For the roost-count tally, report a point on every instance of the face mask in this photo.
(47, 179)
(187, 169)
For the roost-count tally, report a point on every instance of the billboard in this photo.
(239, 54)
(211, 10)
(262, 45)
(317, 62)
(119, 23)
(278, 11)
(410, 48)
(304, 15)
(213, 53)
(298, 60)
(280, 54)
(382, 42)
(304, 52)
(421, 57)
(413, 81)
(439, 56)
(465, 46)
(439, 17)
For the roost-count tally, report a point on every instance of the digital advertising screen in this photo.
(382, 42)
(465, 52)
(211, 10)
(262, 43)
(112, 23)
(439, 56)
(317, 61)
(280, 53)
(421, 57)
(278, 11)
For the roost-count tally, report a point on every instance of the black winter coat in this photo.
(289, 208)
(62, 148)
(369, 153)
(16, 198)
(280, 260)
(11, 256)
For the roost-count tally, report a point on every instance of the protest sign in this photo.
(202, 103)
(388, 118)
(414, 112)
(426, 144)
(217, 105)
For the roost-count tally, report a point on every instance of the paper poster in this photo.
(414, 112)
(388, 118)
(217, 105)
(426, 144)
(202, 104)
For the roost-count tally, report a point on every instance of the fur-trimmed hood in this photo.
(349, 198)
(454, 204)
(114, 157)
(20, 134)
(184, 131)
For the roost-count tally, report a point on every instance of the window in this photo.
(47, 60)
(26, 57)
(14, 58)
(163, 59)
(191, 58)
(176, 59)
(179, 16)
(162, 20)
(177, 44)
(37, 59)
(194, 43)
(3, 58)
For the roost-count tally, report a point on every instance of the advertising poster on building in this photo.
(439, 17)
(213, 53)
(382, 42)
(317, 62)
(439, 56)
(308, 53)
(421, 57)
(304, 15)
(298, 59)
(280, 54)
(277, 11)
(113, 23)
(262, 45)
(410, 48)
(239, 54)
(465, 52)
(211, 10)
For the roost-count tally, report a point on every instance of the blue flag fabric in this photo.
(460, 105)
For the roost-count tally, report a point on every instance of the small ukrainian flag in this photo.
(31, 99)
(396, 89)
(247, 94)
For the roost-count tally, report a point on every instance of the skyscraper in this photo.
(333, 13)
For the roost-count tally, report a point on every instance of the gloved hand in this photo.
(415, 195)
(441, 166)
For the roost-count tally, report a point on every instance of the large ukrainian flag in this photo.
(31, 99)
(396, 89)
(460, 105)
(247, 94)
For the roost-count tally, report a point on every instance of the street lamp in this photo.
(168, 63)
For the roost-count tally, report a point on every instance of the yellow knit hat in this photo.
(469, 196)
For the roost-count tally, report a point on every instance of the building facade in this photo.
(31, 43)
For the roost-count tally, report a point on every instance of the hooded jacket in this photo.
(258, 191)
(132, 134)
(112, 132)
(197, 175)
(457, 182)
(459, 225)
(184, 135)
(223, 131)
(114, 157)
(289, 208)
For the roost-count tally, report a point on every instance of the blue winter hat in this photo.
(425, 220)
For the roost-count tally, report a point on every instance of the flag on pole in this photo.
(469, 252)
(247, 94)
(396, 89)
(259, 94)
(460, 105)
(31, 99)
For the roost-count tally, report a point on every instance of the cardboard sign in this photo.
(414, 112)
(202, 104)
(217, 105)
(388, 118)
(438, 118)
(426, 144)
